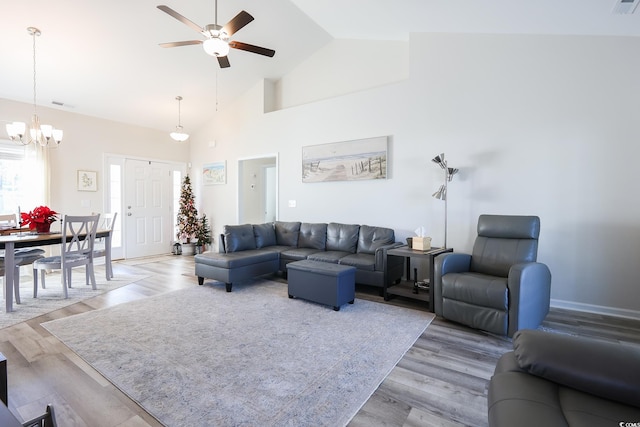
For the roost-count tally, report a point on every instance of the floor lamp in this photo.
(441, 194)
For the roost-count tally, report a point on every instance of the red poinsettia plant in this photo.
(39, 218)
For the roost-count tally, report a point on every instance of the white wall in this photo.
(330, 72)
(542, 125)
(86, 140)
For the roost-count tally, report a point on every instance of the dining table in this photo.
(28, 239)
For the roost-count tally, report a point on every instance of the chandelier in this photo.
(179, 135)
(43, 135)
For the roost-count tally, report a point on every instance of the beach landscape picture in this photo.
(345, 161)
(214, 173)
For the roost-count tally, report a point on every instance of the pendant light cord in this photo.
(34, 33)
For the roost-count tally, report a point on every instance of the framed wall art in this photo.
(214, 173)
(87, 180)
(345, 161)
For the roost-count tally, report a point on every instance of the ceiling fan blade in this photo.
(177, 44)
(187, 22)
(224, 62)
(239, 21)
(251, 48)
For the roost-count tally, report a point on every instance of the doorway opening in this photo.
(258, 189)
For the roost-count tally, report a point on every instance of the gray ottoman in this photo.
(322, 282)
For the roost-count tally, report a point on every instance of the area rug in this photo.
(252, 357)
(51, 298)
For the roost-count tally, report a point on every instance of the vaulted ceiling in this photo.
(102, 59)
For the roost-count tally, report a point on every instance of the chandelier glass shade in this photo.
(43, 135)
(178, 135)
(216, 47)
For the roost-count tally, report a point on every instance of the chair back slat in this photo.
(82, 233)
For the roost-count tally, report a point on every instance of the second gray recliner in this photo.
(499, 288)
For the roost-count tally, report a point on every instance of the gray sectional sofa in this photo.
(247, 251)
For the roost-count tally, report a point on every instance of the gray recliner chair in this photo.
(499, 288)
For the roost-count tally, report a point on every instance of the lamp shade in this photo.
(439, 160)
(16, 129)
(441, 194)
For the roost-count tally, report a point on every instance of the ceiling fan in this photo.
(217, 41)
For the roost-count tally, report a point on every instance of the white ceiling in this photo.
(102, 59)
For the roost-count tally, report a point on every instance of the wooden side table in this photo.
(406, 287)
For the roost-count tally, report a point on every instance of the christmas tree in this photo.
(187, 214)
(204, 232)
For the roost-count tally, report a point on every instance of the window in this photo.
(177, 189)
(21, 177)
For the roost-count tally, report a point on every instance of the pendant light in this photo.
(179, 135)
(43, 135)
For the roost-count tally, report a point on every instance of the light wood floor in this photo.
(441, 381)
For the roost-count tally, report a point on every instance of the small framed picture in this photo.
(214, 173)
(87, 180)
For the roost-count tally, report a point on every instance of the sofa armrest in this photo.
(381, 255)
(602, 368)
(221, 244)
(444, 264)
(452, 263)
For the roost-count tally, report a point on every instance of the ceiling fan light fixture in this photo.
(216, 47)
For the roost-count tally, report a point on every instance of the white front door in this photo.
(147, 209)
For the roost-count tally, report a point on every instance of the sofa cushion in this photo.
(360, 261)
(235, 259)
(297, 254)
(264, 234)
(313, 236)
(371, 238)
(328, 256)
(287, 233)
(238, 238)
(465, 287)
(342, 237)
(603, 368)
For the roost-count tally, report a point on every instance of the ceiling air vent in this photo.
(625, 7)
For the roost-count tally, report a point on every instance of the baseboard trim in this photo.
(597, 309)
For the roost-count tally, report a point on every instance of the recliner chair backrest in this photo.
(504, 240)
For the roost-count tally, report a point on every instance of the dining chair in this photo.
(48, 419)
(22, 257)
(8, 220)
(103, 246)
(78, 239)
